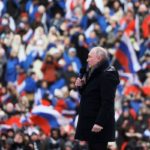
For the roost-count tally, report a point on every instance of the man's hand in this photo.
(79, 82)
(97, 128)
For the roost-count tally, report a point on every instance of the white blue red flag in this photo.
(126, 56)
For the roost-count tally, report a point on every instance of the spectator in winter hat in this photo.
(24, 17)
(10, 109)
(53, 34)
(38, 43)
(37, 64)
(18, 141)
(42, 12)
(8, 22)
(55, 53)
(88, 19)
(72, 59)
(128, 23)
(92, 40)
(142, 8)
(35, 141)
(118, 12)
(23, 104)
(129, 7)
(38, 21)
(57, 20)
(26, 32)
(54, 141)
(49, 69)
(3, 141)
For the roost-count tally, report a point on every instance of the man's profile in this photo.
(96, 123)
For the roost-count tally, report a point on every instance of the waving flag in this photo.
(42, 123)
(25, 119)
(20, 84)
(125, 76)
(5, 127)
(126, 56)
(54, 118)
(145, 26)
(14, 121)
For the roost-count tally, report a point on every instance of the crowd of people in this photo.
(43, 46)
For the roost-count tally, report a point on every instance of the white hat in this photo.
(142, 8)
(72, 49)
(4, 21)
(53, 51)
(130, 5)
(62, 62)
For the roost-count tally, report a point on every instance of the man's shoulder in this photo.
(110, 74)
(110, 69)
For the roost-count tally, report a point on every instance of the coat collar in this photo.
(102, 66)
(98, 69)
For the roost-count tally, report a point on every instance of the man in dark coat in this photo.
(97, 86)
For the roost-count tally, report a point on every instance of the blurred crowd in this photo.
(43, 45)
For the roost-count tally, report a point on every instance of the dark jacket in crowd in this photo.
(97, 105)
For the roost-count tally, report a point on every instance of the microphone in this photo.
(82, 72)
(82, 77)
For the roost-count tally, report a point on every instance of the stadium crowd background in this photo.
(43, 45)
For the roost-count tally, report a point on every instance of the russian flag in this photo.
(42, 123)
(130, 78)
(5, 127)
(126, 56)
(125, 76)
(28, 119)
(25, 119)
(14, 121)
(54, 118)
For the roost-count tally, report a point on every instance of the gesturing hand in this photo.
(97, 128)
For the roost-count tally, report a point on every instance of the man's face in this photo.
(92, 59)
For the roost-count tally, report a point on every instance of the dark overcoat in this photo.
(97, 105)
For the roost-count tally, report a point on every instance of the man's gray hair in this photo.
(101, 52)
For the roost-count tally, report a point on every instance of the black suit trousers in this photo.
(98, 146)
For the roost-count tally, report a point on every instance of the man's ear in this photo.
(99, 58)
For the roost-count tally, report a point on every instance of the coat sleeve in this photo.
(107, 95)
(80, 89)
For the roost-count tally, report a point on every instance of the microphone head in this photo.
(82, 72)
